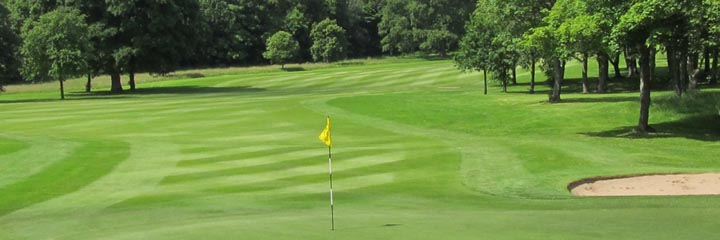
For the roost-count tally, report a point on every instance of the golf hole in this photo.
(648, 185)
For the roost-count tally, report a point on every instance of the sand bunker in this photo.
(649, 185)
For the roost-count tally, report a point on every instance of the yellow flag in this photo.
(325, 134)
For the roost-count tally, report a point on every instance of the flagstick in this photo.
(332, 205)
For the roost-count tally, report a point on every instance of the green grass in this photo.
(419, 153)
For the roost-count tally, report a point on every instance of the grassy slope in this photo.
(417, 147)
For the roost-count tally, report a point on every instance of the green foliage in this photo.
(55, 46)
(428, 26)
(281, 48)
(234, 31)
(9, 43)
(329, 41)
(155, 35)
(225, 39)
(581, 33)
(295, 21)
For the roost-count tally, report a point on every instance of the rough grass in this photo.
(419, 153)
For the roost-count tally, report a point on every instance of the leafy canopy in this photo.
(281, 48)
(55, 46)
(329, 41)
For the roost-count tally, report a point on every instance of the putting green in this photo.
(419, 153)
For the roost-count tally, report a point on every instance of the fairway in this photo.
(418, 153)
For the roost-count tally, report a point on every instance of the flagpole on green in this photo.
(332, 204)
(325, 138)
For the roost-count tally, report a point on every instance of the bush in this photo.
(329, 41)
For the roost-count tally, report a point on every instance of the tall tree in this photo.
(55, 46)
(712, 11)
(154, 35)
(474, 53)
(516, 18)
(549, 39)
(643, 26)
(582, 34)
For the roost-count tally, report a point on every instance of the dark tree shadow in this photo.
(86, 97)
(190, 75)
(351, 63)
(293, 69)
(661, 81)
(703, 128)
(172, 90)
(603, 99)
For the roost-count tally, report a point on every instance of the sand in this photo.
(649, 185)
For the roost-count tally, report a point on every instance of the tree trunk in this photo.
(558, 74)
(532, 77)
(673, 69)
(714, 78)
(485, 89)
(585, 74)
(616, 65)
(88, 85)
(631, 64)
(706, 72)
(693, 71)
(116, 83)
(62, 90)
(131, 82)
(683, 72)
(645, 79)
(514, 75)
(652, 63)
(504, 84)
(603, 71)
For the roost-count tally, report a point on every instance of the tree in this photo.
(548, 38)
(10, 43)
(56, 46)
(233, 31)
(154, 35)
(643, 26)
(583, 35)
(281, 48)
(476, 46)
(427, 26)
(329, 41)
(517, 17)
(712, 11)
(225, 39)
(360, 19)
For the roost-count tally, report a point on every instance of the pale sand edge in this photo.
(648, 185)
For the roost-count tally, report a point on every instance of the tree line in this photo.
(45, 40)
(503, 35)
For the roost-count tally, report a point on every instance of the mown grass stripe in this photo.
(258, 165)
(88, 163)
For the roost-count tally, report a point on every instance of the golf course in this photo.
(419, 152)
